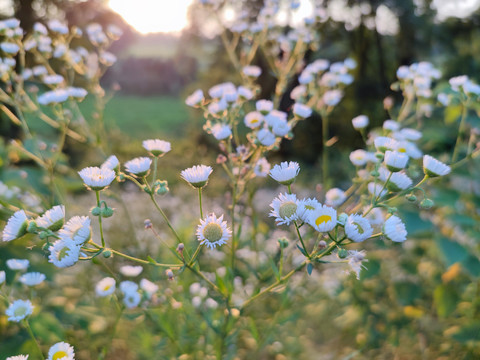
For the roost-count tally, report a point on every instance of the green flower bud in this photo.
(162, 188)
(43, 235)
(342, 253)
(392, 210)
(96, 211)
(32, 227)
(379, 155)
(342, 219)
(375, 173)
(283, 242)
(106, 254)
(427, 204)
(411, 197)
(107, 212)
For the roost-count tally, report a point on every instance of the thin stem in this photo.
(324, 152)
(461, 132)
(200, 201)
(32, 335)
(155, 160)
(234, 242)
(301, 240)
(145, 262)
(97, 193)
(166, 219)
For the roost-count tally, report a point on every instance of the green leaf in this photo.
(452, 251)
(445, 298)
(452, 113)
(468, 332)
(274, 268)
(407, 292)
(150, 260)
(472, 265)
(309, 268)
(253, 329)
(302, 251)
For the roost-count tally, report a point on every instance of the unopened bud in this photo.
(392, 210)
(180, 248)
(148, 224)
(32, 227)
(427, 204)
(107, 212)
(106, 254)
(162, 187)
(169, 274)
(283, 242)
(322, 244)
(342, 253)
(411, 197)
(221, 159)
(342, 219)
(375, 173)
(96, 211)
(379, 156)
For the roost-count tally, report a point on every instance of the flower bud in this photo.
(96, 211)
(169, 274)
(221, 159)
(106, 254)
(342, 219)
(283, 242)
(148, 224)
(322, 244)
(162, 187)
(32, 227)
(180, 248)
(375, 173)
(411, 197)
(342, 253)
(379, 156)
(427, 204)
(106, 212)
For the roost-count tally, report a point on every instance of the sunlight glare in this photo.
(152, 16)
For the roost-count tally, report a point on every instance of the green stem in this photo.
(155, 160)
(234, 243)
(166, 219)
(461, 133)
(145, 262)
(97, 193)
(32, 335)
(324, 152)
(301, 239)
(200, 202)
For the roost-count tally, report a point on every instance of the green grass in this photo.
(141, 117)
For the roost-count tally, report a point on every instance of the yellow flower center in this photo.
(253, 121)
(402, 150)
(20, 311)
(213, 232)
(287, 209)
(323, 219)
(63, 253)
(106, 287)
(59, 355)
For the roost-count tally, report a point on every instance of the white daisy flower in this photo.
(409, 148)
(76, 92)
(298, 92)
(17, 357)
(217, 108)
(358, 157)
(2, 277)
(302, 111)
(58, 27)
(395, 160)
(111, 163)
(53, 79)
(281, 128)
(213, 231)
(410, 134)
(97, 178)
(433, 167)
(254, 119)
(52, 219)
(149, 287)
(383, 143)
(64, 253)
(157, 147)
(285, 209)
(139, 166)
(132, 299)
(376, 189)
(218, 91)
(252, 71)
(305, 206)
(16, 226)
(18, 264)
(262, 167)
(244, 93)
(391, 125)
(77, 229)
(265, 137)
(9, 48)
(332, 97)
(264, 106)
(357, 228)
(394, 229)
(323, 219)
(61, 351)
(197, 175)
(375, 216)
(360, 122)
(221, 131)
(398, 181)
(32, 278)
(19, 310)
(128, 286)
(355, 259)
(275, 117)
(335, 197)
(195, 99)
(128, 270)
(286, 172)
(105, 287)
